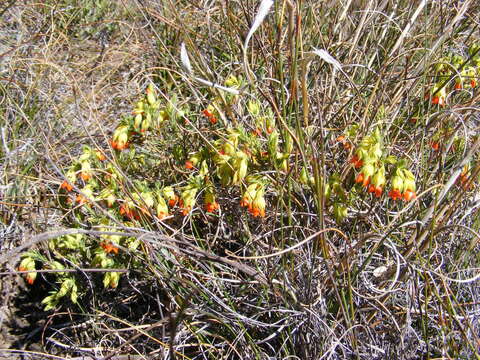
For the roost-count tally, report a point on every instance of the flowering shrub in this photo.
(124, 186)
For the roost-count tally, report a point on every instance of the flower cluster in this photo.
(211, 114)
(368, 157)
(253, 199)
(28, 264)
(466, 75)
(403, 185)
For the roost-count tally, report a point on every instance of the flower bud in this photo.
(303, 176)
(162, 208)
(146, 123)
(397, 183)
(151, 94)
(253, 107)
(368, 170)
(232, 81)
(28, 264)
(340, 212)
(273, 143)
(379, 177)
(137, 122)
(258, 204)
(86, 172)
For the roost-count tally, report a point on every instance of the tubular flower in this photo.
(211, 207)
(395, 194)
(81, 199)
(187, 201)
(28, 264)
(397, 186)
(209, 113)
(67, 186)
(360, 178)
(365, 175)
(151, 98)
(409, 195)
(170, 196)
(162, 208)
(120, 138)
(356, 161)
(378, 182)
(70, 179)
(248, 196)
(435, 145)
(127, 211)
(342, 140)
(108, 247)
(193, 160)
(409, 186)
(86, 173)
(258, 205)
(210, 204)
(257, 132)
(100, 155)
(437, 96)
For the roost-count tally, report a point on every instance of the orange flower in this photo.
(207, 113)
(173, 202)
(244, 202)
(378, 191)
(395, 194)
(409, 195)
(129, 213)
(85, 175)
(346, 145)
(357, 163)
(211, 207)
(211, 117)
(269, 129)
(458, 86)
(186, 210)
(67, 186)
(108, 247)
(161, 215)
(188, 165)
(473, 83)
(435, 145)
(438, 100)
(81, 199)
(30, 279)
(366, 181)
(100, 155)
(119, 145)
(360, 178)
(257, 132)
